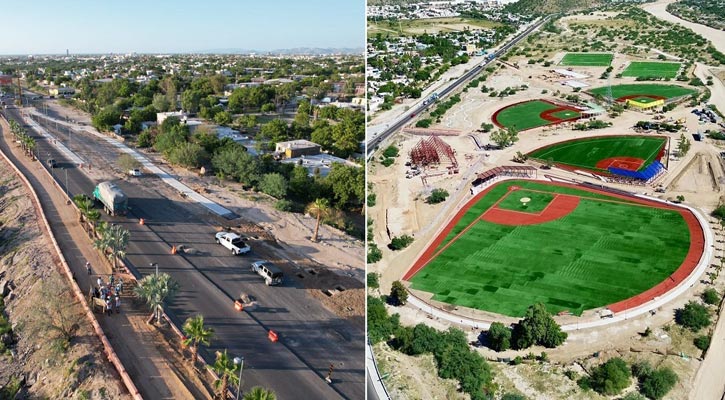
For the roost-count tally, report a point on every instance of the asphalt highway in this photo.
(311, 337)
(415, 112)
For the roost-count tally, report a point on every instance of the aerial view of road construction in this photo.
(183, 221)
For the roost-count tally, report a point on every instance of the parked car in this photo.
(271, 273)
(233, 242)
(134, 172)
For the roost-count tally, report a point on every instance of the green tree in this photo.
(400, 242)
(274, 184)
(196, 334)
(156, 289)
(537, 327)
(499, 337)
(223, 118)
(710, 296)
(190, 155)
(227, 370)
(372, 280)
(161, 103)
(374, 254)
(320, 208)
(702, 342)
(693, 316)
(348, 185)
(114, 238)
(260, 393)
(380, 325)
(235, 162)
(657, 384)
(145, 139)
(106, 118)
(611, 377)
(437, 196)
(398, 294)
(504, 138)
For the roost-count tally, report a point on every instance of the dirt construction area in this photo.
(401, 209)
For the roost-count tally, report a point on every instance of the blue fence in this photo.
(646, 174)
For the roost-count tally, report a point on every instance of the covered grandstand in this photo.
(644, 176)
(516, 171)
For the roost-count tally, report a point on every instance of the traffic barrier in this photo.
(272, 335)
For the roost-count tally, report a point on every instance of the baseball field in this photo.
(572, 248)
(657, 91)
(533, 114)
(597, 154)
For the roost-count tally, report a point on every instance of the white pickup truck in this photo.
(233, 242)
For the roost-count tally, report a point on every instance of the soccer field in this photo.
(530, 114)
(586, 153)
(652, 69)
(666, 91)
(587, 59)
(605, 250)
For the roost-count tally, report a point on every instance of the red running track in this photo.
(697, 243)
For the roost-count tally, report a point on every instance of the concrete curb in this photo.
(112, 356)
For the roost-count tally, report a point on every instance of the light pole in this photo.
(66, 182)
(239, 361)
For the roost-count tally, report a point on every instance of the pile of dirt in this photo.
(39, 310)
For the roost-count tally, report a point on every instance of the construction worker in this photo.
(88, 267)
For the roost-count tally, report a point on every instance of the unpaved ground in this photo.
(156, 370)
(28, 263)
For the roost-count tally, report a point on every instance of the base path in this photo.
(628, 163)
(138, 345)
(560, 206)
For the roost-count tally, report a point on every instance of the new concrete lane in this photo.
(311, 338)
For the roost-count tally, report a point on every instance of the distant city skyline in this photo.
(182, 26)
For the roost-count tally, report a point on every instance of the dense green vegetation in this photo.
(454, 359)
(609, 378)
(706, 12)
(693, 315)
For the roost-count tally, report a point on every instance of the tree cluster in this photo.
(450, 349)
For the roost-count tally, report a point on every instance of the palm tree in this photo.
(84, 204)
(118, 238)
(155, 290)
(227, 371)
(321, 209)
(196, 334)
(260, 393)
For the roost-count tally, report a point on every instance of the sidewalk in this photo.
(155, 370)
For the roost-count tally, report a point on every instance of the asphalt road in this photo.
(311, 337)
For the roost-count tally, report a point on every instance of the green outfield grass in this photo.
(585, 153)
(666, 91)
(527, 115)
(601, 253)
(587, 59)
(652, 69)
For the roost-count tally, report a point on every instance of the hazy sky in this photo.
(168, 26)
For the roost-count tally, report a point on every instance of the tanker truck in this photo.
(113, 200)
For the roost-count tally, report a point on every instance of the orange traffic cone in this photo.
(272, 335)
(173, 249)
(141, 221)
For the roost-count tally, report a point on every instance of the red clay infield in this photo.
(628, 163)
(560, 206)
(697, 237)
(634, 96)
